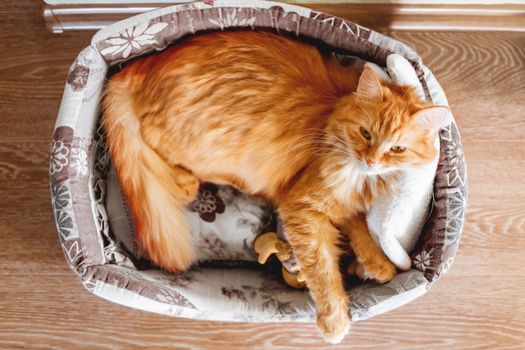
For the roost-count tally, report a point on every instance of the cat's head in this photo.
(384, 127)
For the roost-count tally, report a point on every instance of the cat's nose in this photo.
(371, 162)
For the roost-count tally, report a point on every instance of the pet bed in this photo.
(89, 209)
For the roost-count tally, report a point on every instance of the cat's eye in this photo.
(365, 133)
(398, 149)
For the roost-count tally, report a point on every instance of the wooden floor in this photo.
(480, 304)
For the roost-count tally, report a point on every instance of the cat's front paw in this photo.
(378, 268)
(334, 326)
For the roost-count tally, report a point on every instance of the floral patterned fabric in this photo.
(77, 77)
(208, 204)
(95, 229)
(132, 38)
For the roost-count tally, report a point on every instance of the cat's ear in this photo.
(433, 118)
(369, 86)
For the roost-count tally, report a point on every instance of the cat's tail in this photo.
(150, 185)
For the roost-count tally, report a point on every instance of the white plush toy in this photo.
(396, 220)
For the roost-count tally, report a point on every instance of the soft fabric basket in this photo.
(81, 181)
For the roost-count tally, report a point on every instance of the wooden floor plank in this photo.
(483, 76)
(33, 68)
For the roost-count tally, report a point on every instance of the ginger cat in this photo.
(273, 117)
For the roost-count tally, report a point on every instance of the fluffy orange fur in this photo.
(276, 118)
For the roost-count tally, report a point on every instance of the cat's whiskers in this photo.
(328, 150)
(301, 149)
(321, 143)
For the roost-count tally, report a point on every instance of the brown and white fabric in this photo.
(89, 208)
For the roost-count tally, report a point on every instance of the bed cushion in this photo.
(80, 183)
